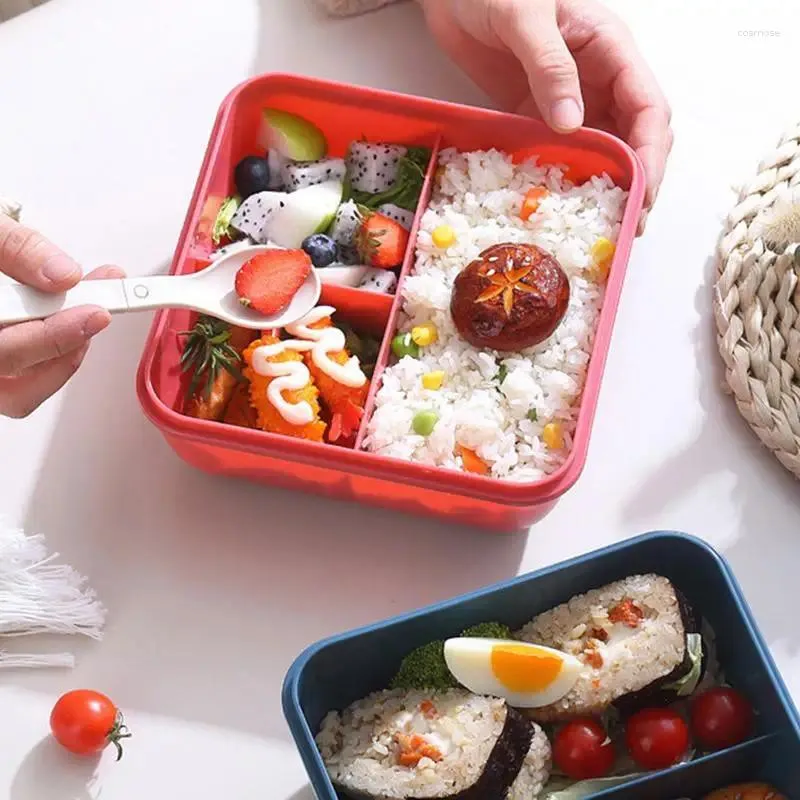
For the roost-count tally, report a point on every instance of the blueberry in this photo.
(251, 176)
(322, 249)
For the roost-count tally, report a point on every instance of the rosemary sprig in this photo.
(207, 351)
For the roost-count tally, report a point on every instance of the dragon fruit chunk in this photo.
(405, 218)
(378, 280)
(252, 216)
(345, 226)
(300, 174)
(373, 167)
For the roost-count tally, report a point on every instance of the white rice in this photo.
(359, 745)
(479, 195)
(627, 659)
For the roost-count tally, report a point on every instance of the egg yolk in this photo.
(522, 669)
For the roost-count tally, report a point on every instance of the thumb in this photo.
(27, 257)
(531, 32)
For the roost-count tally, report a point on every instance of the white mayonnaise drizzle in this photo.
(294, 375)
(287, 375)
(328, 340)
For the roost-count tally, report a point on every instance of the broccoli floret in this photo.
(489, 630)
(424, 668)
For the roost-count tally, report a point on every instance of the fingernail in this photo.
(566, 115)
(59, 269)
(95, 323)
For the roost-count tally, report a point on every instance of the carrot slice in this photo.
(530, 205)
(428, 709)
(472, 462)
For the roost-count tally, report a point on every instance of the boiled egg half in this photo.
(524, 675)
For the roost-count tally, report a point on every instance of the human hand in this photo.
(38, 358)
(567, 62)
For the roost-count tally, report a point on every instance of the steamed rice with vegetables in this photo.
(450, 404)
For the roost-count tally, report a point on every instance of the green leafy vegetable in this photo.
(684, 686)
(222, 224)
(365, 348)
(502, 374)
(533, 415)
(576, 791)
(406, 189)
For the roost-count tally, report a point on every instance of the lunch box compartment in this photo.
(770, 759)
(363, 311)
(337, 671)
(345, 113)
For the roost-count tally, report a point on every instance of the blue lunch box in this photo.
(342, 669)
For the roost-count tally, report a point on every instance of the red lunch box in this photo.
(346, 113)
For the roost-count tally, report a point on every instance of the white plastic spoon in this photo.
(209, 291)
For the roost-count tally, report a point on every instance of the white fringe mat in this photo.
(38, 596)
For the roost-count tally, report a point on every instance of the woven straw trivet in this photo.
(757, 301)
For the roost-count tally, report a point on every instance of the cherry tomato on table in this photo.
(721, 717)
(86, 722)
(582, 750)
(656, 738)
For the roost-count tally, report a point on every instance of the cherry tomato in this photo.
(721, 718)
(85, 722)
(582, 750)
(656, 738)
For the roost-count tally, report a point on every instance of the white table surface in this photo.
(213, 587)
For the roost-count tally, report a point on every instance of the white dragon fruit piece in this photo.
(405, 218)
(345, 226)
(373, 167)
(378, 280)
(253, 214)
(300, 174)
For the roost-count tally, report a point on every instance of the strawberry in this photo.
(268, 282)
(382, 241)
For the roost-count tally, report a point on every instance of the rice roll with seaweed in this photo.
(448, 745)
(637, 639)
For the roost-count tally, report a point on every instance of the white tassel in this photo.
(30, 661)
(39, 596)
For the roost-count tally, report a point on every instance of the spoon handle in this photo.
(21, 303)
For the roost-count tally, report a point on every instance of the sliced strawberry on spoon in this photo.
(268, 282)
